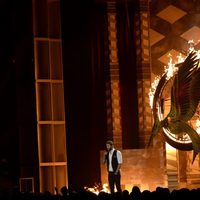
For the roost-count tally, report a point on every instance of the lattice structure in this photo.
(144, 80)
(114, 98)
(173, 24)
(51, 130)
(172, 167)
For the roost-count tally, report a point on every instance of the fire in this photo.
(97, 188)
(153, 89)
(198, 126)
(170, 70)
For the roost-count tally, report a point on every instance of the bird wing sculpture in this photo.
(185, 97)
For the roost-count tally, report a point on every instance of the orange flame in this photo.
(96, 189)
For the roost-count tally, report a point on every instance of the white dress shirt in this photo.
(119, 158)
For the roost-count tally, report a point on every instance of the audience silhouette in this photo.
(136, 194)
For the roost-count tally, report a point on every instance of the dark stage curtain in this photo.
(126, 16)
(84, 26)
(18, 136)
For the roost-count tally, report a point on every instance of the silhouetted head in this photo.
(135, 193)
(64, 191)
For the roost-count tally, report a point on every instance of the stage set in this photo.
(166, 34)
(107, 69)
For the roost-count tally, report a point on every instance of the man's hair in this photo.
(109, 142)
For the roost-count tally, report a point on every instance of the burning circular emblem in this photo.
(175, 103)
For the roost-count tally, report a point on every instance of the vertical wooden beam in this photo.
(113, 97)
(143, 71)
(171, 167)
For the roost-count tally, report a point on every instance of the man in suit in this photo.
(113, 159)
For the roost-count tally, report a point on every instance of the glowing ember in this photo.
(171, 69)
(191, 48)
(98, 188)
(180, 58)
(191, 44)
(198, 126)
(153, 89)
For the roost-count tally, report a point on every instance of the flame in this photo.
(191, 44)
(170, 70)
(96, 189)
(153, 89)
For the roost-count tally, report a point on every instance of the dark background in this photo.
(18, 147)
(86, 70)
(84, 43)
